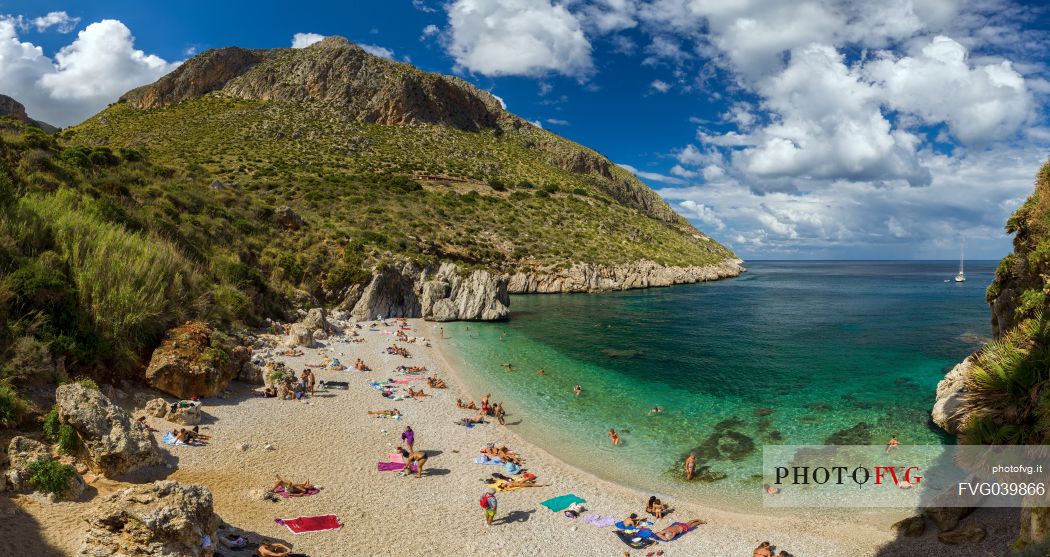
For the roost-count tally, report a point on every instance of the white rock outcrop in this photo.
(583, 277)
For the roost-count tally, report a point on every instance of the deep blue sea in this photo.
(788, 353)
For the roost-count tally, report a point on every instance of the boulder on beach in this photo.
(111, 442)
(21, 452)
(192, 362)
(157, 408)
(165, 518)
(971, 533)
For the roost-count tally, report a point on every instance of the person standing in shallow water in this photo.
(577, 389)
(690, 466)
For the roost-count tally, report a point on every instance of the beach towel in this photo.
(395, 457)
(600, 521)
(280, 491)
(679, 535)
(304, 524)
(634, 541)
(169, 439)
(486, 459)
(562, 502)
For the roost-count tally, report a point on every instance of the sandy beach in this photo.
(331, 441)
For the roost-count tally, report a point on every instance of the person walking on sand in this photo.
(488, 503)
(577, 389)
(614, 436)
(500, 414)
(690, 466)
(409, 437)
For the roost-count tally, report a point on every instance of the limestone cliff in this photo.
(583, 277)
(436, 292)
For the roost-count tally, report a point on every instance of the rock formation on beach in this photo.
(165, 518)
(191, 362)
(111, 442)
(436, 292)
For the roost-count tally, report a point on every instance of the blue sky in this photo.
(801, 129)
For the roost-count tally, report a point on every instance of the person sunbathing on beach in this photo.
(763, 550)
(386, 413)
(466, 405)
(293, 352)
(292, 488)
(416, 394)
(273, 549)
(675, 530)
(631, 521)
(436, 383)
(615, 437)
(419, 458)
(270, 392)
(479, 419)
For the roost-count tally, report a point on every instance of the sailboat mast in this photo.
(962, 256)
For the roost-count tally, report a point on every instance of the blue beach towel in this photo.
(562, 502)
(485, 459)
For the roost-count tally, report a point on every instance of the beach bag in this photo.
(488, 501)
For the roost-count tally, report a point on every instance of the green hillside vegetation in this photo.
(484, 198)
(1009, 386)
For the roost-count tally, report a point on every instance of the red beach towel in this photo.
(305, 524)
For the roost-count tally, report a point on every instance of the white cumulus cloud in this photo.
(83, 77)
(303, 40)
(376, 50)
(517, 37)
(59, 20)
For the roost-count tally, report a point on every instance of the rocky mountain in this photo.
(14, 109)
(402, 168)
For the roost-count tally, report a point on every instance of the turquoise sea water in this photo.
(789, 353)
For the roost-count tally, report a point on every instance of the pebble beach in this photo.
(333, 442)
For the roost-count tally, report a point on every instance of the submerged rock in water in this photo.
(727, 444)
(819, 407)
(625, 353)
(859, 434)
(710, 476)
(759, 412)
(729, 423)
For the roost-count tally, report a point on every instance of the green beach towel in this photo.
(562, 502)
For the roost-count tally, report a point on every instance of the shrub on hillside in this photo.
(12, 407)
(50, 476)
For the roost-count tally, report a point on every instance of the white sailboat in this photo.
(961, 277)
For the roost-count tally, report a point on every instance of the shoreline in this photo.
(332, 441)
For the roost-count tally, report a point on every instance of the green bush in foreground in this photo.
(50, 476)
(67, 439)
(12, 407)
(51, 424)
